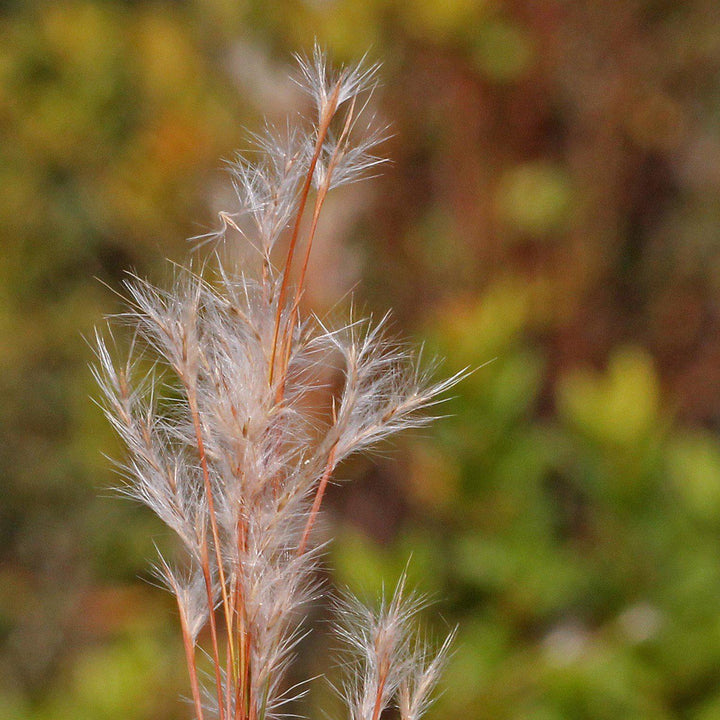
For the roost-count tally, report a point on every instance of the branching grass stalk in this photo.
(205, 559)
(195, 413)
(315, 509)
(192, 667)
(319, 201)
(241, 460)
(326, 117)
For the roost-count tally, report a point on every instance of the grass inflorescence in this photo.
(225, 442)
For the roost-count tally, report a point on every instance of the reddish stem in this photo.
(318, 499)
(239, 611)
(325, 118)
(378, 699)
(190, 657)
(192, 400)
(205, 561)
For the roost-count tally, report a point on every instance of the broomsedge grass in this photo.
(223, 444)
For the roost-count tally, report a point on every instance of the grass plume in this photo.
(223, 444)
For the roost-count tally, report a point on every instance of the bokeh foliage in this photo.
(550, 217)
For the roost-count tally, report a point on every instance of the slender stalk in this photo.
(322, 131)
(264, 701)
(381, 688)
(232, 667)
(189, 656)
(246, 677)
(229, 673)
(239, 612)
(318, 500)
(205, 562)
(211, 507)
(319, 201)
(252, 705)
(195, 413)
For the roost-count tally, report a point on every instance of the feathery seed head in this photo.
(390, 662)
(225, 444)
(332, 88)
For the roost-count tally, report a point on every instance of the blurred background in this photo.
(552, 205)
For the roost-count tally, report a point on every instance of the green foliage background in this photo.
(551, 206)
